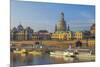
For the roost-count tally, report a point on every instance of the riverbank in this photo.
(57, 43)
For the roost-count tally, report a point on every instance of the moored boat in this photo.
(34, 52)
(62, 53)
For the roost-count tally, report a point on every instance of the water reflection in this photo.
(29, 59)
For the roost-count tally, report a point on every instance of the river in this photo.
(27, 60)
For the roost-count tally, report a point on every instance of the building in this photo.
(13, 34)
(92, 30)
(78, 35)
(19, 33)
(28, 33)
(69, 35)
(61, 30)
(87, 34)
(59, 36)
(35, 36)
(42, 35)
(61, 25)
(91, 43)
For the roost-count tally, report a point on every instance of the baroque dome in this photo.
(61, 26)
(20, 27)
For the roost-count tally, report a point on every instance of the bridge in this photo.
(47, 45)
(44, 48)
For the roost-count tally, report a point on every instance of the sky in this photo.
(44, 16)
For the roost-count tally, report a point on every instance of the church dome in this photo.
(20, 27)
(14, 29)
(92, 27)
(61, 26)
(28, 29)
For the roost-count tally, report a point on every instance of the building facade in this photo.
(78, 35)
(69, 35)
(92, 30)
(61, 30)
(28, 33)
(61, 25)
(41, 35)
(59, 36)
(91, 43)
(13, 34)
(19, 33)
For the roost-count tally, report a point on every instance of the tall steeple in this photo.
(55, 27)
(62, 16)
(68, 29)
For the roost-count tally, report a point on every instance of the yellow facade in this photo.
(20, 35)
(62, 36)
(92, 32)
(69, 36)
(92, 29)
(91, 43)
(78, 35)
(59, 36)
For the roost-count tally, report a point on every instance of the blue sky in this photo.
(44, 16)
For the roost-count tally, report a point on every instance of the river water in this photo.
(27, 60)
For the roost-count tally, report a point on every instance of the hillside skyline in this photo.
(44, 16)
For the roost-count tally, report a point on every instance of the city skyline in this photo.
(44, 16)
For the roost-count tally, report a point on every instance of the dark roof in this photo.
(14, 29)
(28, 28)
(20, 27)
(92, 27)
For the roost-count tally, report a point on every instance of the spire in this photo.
(20, 23)
(62, 16)
(68, 29)
(55, 27)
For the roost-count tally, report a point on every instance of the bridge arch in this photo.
(78, 43)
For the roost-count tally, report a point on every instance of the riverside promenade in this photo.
(57, 43)
(52, 45)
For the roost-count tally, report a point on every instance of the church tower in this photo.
(68, 29)
(55, 27)
(62, 31)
